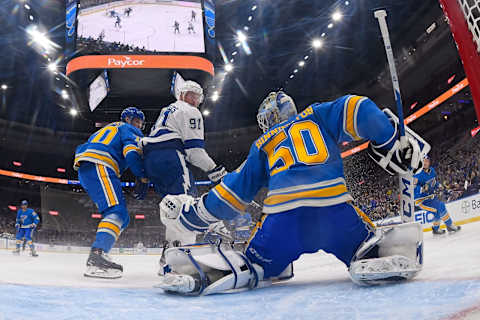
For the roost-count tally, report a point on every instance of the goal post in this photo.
(464, 19)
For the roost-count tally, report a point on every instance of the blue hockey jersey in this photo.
(426, 183)
(27, 218)
(115, 146)
(299, 160)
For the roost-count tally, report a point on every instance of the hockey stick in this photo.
(407, 204)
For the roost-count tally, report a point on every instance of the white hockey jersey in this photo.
(180, 125)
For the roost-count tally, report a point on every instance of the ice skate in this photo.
(437, 232)
(16, 252)
(100, 265)
(453, 228)
(33, 253)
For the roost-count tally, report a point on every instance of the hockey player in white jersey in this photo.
(308, 207)
(177, 138)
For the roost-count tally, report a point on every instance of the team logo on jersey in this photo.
(125, 61)
(210, 18)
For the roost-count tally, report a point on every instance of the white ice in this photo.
(52, 287)
(149, 26)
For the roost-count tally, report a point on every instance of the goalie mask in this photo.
(277, 107)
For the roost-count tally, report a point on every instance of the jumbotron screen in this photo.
(140, 26)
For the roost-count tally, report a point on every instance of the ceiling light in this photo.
(254, 8)
(241, 36)
(337, 16)
(250, 18)
(306, 57)
(26, 6)
(347, 3)
(4, 87)
(238, 44)
(324, 34)
(234, 53)
(206, 112)
(52, 67)
(228, 67)
(64, 94)
(245, 28)
(330, 25)
(317, 43)
(301, 63)
(291, 76)
(30, 17)
(295, 71)
(215, 96)
(73, 112)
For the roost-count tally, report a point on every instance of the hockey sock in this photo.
(436, 225)
(17, 245)
(104, 241)
(446, 219)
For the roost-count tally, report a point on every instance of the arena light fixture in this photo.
(26, 6)
(228, 67)
(317, 43)
(250, 18)
(306, 58)
(291, 76)
(206, 112)
(30, 17)
(323, 34)
(40, 39)
(64, 94)
(241, 36)
(337, 16)
(214, 97)
(295, 71)
(330, 25)
(73, 112)
(254, 8)
(347, 3)
(4, 87)
(52, 67)
(301, 63)
(234, 53)
(245, 28)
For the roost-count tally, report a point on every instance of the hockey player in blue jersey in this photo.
(426, 184)
(26, 222)
(308, 207)
(100, 163)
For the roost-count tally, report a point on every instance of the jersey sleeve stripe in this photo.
(328, 192)
(194, 143)
(350, 116)
(229, 198)
(130, 147)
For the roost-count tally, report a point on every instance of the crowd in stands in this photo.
(91, 45)
(375, 192)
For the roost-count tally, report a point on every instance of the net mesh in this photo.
(471, 11)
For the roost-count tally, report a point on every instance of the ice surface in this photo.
(52, 286)
(149, 26)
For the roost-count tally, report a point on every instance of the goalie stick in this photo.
(407, 204)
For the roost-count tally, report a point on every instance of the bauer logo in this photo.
(125, 61)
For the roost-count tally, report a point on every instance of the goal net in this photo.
(464, 20)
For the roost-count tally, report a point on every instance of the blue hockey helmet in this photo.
(24, 203)
(275, 108)
(132, 113)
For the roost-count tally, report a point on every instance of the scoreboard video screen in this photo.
(140, 26)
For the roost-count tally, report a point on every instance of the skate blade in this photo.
(94, 272)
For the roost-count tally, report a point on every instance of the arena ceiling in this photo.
(349, 58)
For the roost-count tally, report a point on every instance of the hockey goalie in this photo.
(308, 207)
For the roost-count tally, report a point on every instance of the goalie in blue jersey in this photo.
(308, 206)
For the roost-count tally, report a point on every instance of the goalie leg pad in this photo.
(214, 270)
(398, 255)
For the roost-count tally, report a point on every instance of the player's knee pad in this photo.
(216, 270)
(118, 213)
(395, 253)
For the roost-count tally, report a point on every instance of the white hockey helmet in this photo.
(275, 108)
(192, 86)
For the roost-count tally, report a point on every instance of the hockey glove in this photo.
(141, 188)
(396, 160)
(217, 174)
(185, 214)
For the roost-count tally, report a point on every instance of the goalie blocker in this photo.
(394, 253)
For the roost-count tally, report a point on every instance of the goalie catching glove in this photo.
(185, 214)
(394, 158)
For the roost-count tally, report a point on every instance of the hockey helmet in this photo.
(192, 86)
(133, 113)
(275, 108)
